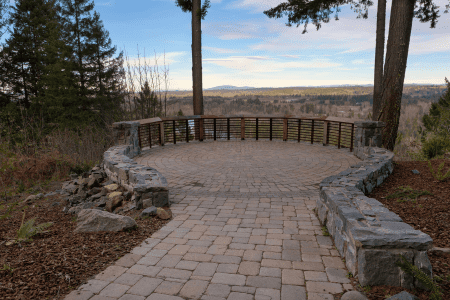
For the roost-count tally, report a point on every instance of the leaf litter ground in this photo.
(56, 262)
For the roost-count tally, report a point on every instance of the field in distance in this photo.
(231, 91)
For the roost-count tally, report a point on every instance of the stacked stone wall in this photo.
(368, 235)
(150, 188)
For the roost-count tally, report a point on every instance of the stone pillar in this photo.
(126, 133)
(367, 135)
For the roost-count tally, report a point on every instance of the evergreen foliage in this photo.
(186, 6)
(3, 16)
(428, 283)
(438, 119)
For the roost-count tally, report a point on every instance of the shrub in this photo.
(437, 145)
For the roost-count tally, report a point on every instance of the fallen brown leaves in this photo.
(55, 263)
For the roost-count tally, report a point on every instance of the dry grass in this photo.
(30, 157)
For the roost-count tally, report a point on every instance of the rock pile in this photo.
(93, 190)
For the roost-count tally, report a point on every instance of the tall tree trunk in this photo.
(379, 55)
(197, 58)
(400, 26)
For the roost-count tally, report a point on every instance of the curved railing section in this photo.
(160, 131)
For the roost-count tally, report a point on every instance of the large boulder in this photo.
(93, 220)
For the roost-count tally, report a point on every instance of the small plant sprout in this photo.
(28, 230)
(438, 174)
(325, 231)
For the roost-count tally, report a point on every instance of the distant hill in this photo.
(230, 87)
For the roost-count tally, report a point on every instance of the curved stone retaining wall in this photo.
(150, 188)
(367, 234)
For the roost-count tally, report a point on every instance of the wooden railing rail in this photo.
(159, 131)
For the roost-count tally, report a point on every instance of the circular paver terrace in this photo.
(243, 227)
(246, 168)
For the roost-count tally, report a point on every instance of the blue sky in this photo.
(241, 46)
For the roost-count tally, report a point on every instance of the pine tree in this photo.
(437, 120)
(147, 102)
(78, 32)
(402, 14)
(108, 72)
(198, 14)
(33, 49)
(3, 16)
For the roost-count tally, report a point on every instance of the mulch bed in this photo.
(55, 263)
(428, 213)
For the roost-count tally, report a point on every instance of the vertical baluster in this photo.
(270, 129)
(339, 136)
(150, 135)
(242, 129)
(312, 131)
(187, 131)
(328, 132)
(256, 128)
(139, 136)
(285, 129)
(228, 128)
(351, 141)
(215, 134)
(174, 133)
(299, 129)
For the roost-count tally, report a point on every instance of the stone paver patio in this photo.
(243, 227)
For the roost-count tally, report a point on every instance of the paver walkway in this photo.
(243, 227)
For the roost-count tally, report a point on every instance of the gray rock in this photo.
(148, 212)
(101, 202)
(73, 176)
(74, 210)
(378, 267)
(93, 220)
(353, 295)
(93, 182)
(403, 296)
(415, 172)
(51, 194)
(56, 203)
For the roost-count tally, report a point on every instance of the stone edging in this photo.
(367, 234)
(150, 188)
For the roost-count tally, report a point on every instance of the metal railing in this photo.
(160, 131)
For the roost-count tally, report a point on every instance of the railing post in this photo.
(256, 128)
(270, 129)
(150, 135)
(351, 139)
(285, 129)
(187, 131)
(299, 128)
(161, 133)
(139, 136)
(228, 128)
(325, 133)
(174, 133)
(312, 131)
(215, 129)
(339, 136)
(242, 129)
(200, 124)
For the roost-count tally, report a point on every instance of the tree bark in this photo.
(379, 55)
(197, 59)
(400, 26)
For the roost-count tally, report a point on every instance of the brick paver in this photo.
(243, 227)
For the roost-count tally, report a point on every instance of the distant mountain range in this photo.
(232, 87)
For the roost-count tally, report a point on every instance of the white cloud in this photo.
(220, 50)
(170, 58)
